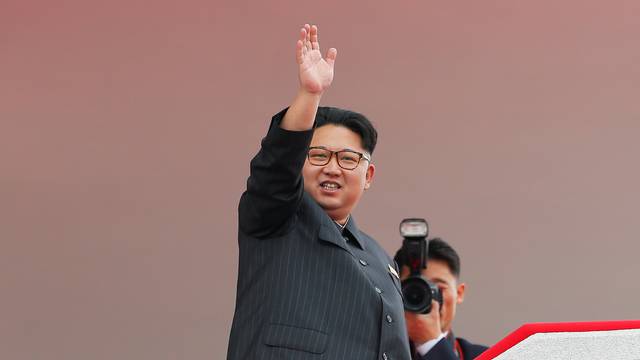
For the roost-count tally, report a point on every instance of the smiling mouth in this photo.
(330, 186)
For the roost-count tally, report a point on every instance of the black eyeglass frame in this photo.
(360, 156)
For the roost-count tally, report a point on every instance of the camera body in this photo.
(417, 291)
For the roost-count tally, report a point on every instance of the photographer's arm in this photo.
(440, 351)
(424, 327)
(426, 334)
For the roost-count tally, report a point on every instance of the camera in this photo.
(417, 291)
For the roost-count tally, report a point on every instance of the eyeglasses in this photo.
(347, 159)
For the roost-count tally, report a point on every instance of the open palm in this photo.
(315, 73)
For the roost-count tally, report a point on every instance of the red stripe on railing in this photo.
(527, 330)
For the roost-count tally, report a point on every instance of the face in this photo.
(337, 190)
(438, 273)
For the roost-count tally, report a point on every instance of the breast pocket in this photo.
(296, 338)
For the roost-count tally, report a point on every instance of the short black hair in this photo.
(353, 121)
(438, 250)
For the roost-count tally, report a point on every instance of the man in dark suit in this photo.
(430, 334)
(311, 285)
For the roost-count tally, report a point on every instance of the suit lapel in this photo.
(329, 233)
(455, 345)
(355, 232)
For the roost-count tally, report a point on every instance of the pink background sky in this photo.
(126, 129)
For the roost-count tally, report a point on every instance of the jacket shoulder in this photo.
(471, 350)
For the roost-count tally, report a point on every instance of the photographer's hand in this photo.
(424, 327)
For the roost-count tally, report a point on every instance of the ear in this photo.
(460, 291)
(369, 177)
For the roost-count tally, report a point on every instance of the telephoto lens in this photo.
(417, 291)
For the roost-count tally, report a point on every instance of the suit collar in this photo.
(451, 338)
(329, 232)
(353, 229)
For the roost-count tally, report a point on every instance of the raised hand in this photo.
(316, 75)
(314, 72)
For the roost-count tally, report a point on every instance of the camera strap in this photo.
(453, 341)
(458, 350)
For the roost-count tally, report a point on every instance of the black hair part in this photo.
(351, 120)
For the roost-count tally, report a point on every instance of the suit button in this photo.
(389, 319)
(378, 290)
(384, 356)
(363, 262)
(346, 239)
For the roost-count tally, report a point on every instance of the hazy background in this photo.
(126, 129)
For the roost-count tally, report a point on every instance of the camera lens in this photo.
(414, 294)
(417, 295)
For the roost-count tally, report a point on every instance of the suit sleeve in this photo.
(275, 186)
(441, 351)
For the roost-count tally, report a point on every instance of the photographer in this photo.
(430, 334)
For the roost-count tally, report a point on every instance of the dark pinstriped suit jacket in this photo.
(303, 291)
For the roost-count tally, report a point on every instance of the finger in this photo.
(300, 48)
(314, 38)
(435, 308)
(307, 28)
(299, 51)
(331, 56)
(307, 40)
(303, 34)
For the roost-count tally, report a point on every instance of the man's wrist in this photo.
(302, 113)
(310, 94)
